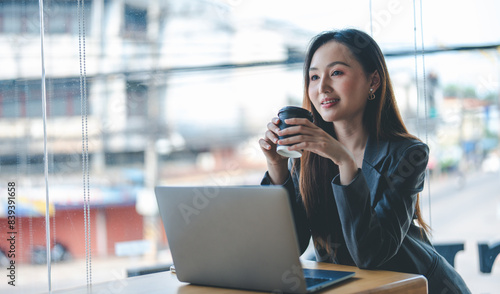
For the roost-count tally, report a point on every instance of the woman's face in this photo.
(338, 86)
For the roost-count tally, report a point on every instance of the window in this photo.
(64, 97)
(137, 95)
(19, 19)
(22, 17)
(20, 98)
(135, 21)
(23, 98)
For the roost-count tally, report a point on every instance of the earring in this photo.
(372, 95)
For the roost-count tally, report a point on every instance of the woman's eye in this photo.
(336, 73)
(314, 77)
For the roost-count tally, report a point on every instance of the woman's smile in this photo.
(329, 102)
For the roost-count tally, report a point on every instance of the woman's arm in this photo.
(278, 173)
(298, 210)
(375, 231)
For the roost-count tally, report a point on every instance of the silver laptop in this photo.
(237, 237)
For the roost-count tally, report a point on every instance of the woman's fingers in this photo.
(297, 140)
(272, 126)
(310, 138)
(264, 145)
(270, 136)
(272, 130)
(302, 134)
(300, 130)
(295, 130)
(299, 121)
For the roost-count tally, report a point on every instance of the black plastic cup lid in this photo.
(297, 111)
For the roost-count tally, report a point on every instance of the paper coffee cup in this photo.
(291, 112)
(283, 151)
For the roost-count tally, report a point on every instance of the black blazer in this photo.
(375, 214)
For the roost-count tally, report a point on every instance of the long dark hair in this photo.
(381, 119)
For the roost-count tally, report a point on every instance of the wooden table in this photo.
(365, 281)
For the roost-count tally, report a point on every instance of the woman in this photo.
(355, 189)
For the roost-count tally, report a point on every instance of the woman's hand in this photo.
(307, 136)
(304, 135)
(268, 144)
(276, 164)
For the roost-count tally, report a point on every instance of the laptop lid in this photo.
(234, 237)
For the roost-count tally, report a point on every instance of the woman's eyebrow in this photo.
(331, 64)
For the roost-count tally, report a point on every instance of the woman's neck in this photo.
(353, 136)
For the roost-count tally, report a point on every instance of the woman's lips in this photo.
(326, 103)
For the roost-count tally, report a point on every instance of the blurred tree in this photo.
(491, 97)
(469, 92)
(451, 90)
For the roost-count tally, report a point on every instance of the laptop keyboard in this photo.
(314, 281)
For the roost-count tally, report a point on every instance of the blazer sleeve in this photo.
(374, 226)
(298, 211)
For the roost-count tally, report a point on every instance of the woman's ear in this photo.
(375, 81)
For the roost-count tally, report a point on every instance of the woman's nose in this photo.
(324, 87)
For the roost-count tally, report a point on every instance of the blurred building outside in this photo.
(161, 106)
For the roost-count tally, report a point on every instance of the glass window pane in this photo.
(135, 21)
(179, 92)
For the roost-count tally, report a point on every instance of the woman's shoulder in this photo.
(393, 149)
(401, 145)
(406, 142)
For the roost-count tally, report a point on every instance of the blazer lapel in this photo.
(375, 152)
